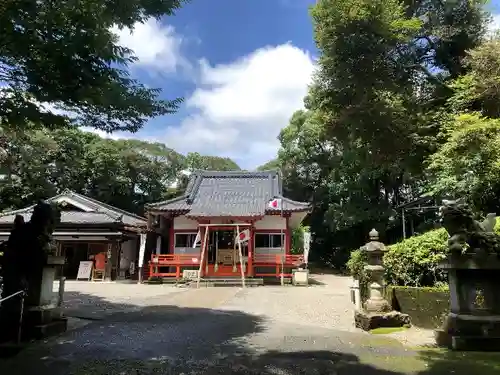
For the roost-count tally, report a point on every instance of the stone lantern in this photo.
(375, 270)
(376, 310)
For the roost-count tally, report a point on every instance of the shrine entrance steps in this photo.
(227, 281)
(212, 281)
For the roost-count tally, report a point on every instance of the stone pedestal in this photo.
(41, 316)
(376, 312)
(300, 277)
(368, 321)
(474, 318)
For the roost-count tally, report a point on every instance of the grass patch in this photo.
(444, 361)
(387, 330)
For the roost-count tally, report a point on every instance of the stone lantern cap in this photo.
(374, 245)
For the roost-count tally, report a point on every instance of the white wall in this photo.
(183, 223)
(128, 253)
(271, 222)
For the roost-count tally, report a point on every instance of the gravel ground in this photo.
(327, 306)
(160, 329)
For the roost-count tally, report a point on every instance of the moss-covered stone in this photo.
(367, 321)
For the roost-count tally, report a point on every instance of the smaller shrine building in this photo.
(90, 230)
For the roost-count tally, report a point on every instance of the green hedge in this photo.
(411, 262)
(426, 306)
(414, 261)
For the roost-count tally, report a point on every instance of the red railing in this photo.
(171, 260)
(287, 259)
(281, 263)
(178, 261)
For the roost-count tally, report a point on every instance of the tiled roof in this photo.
(67, 217)
(230, 194)
(96, 212)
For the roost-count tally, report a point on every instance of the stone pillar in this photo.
(376, 311)
(41, 316)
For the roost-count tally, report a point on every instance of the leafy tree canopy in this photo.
(63, 54)
(210, 163)
(383, 90)
(123, 173)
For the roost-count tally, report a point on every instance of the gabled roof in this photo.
(212, 193)
(88, 211)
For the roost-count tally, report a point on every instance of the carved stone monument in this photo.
(28, 264)
(376, 311)
(473, 267)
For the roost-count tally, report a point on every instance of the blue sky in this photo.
(243, 67)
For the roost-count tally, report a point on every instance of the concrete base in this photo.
(53, 328)
(300, 277)
(43, 321)
(470, 332)
(368, 321)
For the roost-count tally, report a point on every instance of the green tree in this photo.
(374, 111)
(479, 89)
(123, 173)
(468, 163)
(271, 165)
(64, 54)
(210, 163)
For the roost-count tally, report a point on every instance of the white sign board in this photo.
(307, 246)
(190, 274)
(85, 270)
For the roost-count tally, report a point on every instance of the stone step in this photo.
(42, 331)
(227, 281)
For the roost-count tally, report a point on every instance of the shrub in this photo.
(414, 261)
(355, 265)
(411, 262)
(426, 306)
(298, 239)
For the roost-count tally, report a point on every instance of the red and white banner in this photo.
(243, 236)
(197, 239)
(275, 203)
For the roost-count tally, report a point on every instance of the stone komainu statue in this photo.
(25, 252)
(466, 233)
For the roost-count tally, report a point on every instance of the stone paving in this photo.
(160, 329)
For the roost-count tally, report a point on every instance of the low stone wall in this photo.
(426, 306)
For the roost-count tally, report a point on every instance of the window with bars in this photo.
(269, 240)
(185, 239)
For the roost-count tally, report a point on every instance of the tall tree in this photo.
(64, 54)
(375, 108)
(467, 165)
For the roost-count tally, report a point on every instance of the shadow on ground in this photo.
(127, 339)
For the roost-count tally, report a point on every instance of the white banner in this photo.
(142, 249)
(197, 240)
(307, 246)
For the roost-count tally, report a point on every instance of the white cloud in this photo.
(494, 24)
(103, 134)
(156, 45)
(241, 107)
